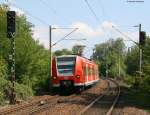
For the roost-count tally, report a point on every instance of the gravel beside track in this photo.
(128, 107)
(103, 105)
(74, 105)
(58, 105)
(12, 109)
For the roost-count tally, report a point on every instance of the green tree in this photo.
(78, 49)
(110, 56)
(3, 68)
(31, 58)
(62, 52)
(132, 60)
(146, 57)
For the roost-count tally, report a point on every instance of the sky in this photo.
(95, 28)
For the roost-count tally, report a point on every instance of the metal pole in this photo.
(106, 70)
(106, 49)
(140, 53)
(12, 69)
(119, 66)
(50, 51)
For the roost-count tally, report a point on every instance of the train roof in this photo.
(66, 56)
(75, 56)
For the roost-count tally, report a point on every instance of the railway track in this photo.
(105, 103)
(50, 105)
(36, 106)
(25, 106)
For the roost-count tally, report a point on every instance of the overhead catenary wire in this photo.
(129, 38)
(95, 16)
(113, 27)
(64, 37)
(104, 14)
(45, 23)
(93, 12)
(28, 13)
(102, 8)
(53, 10)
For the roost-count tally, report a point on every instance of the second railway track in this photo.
(104, 104)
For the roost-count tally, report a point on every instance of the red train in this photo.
(73, 71)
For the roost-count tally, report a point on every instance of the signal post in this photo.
(11, 28)
(142, 37)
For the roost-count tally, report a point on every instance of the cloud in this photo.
(42, 35)
(86, 30)
(11, 4)
(93, 35)
(108, 25)
(18, 11)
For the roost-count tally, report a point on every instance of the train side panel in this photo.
(85, 73)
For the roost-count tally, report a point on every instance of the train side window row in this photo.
(89, 71)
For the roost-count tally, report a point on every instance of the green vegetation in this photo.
(31, 60)
(111, 56)
(136, 98)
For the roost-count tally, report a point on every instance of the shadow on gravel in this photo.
(128, 98)
(134, 98)
(105, 101)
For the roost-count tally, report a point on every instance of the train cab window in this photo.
(66, 65)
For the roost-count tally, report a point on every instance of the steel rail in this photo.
(50, 103)
(100, 97)
(23, 107)
(93, 102)
(116, 99)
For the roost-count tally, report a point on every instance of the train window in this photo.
(66, 65)
(95, 73)
(63, 59)
(84, 71)
(91, 70)
(87, 71)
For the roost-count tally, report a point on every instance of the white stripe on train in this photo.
(79, 84)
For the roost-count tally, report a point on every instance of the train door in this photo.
(87, 72)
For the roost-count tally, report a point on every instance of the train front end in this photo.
(64, 72)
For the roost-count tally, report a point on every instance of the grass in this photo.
(137, 98)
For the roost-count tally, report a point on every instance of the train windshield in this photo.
(66, 65)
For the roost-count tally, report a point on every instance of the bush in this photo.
(145, 83)
(3, 67)
(23, 91)
(1, 98)
(130, 80)
(4, 90)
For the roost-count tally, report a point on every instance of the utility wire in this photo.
(52, 10)
(94, 14)
(113, 27)
(64, 37)
(28, 13)
(102, 8)
(91, 9)
(129, 38)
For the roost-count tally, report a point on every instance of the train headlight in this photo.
(77, 76)
(54, 77)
